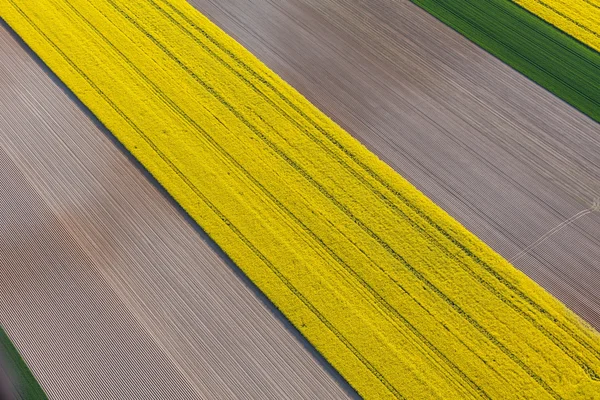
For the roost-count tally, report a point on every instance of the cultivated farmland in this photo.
(108, 290)
(533, 47)
(578, 18)
(398, 296)
(346, 197)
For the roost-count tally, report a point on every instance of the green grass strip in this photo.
(28, 388)
(540, 51)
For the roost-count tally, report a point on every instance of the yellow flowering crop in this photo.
(578, 18)
(399, 297)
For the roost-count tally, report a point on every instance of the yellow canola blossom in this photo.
(578, 18)
(399, 297)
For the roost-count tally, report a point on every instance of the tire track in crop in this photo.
(563, 15)
(591, 3)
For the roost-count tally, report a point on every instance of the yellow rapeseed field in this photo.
(578, 18)
(399, 297)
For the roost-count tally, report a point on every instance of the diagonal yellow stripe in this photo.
(398, 296)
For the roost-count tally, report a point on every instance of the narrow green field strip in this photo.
(27, 386)
(399, 297)
(540, 51)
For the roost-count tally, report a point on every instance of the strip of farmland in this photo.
(16, 381)
(348, 250)
(540, 51)
(578, 18)
(125, 238)
(499, 153)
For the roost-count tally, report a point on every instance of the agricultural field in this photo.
(578, 18)
(11, 366)
(551, 58)
(398, 297)
(96, 228)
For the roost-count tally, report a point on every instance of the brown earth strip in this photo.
(60, 311)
